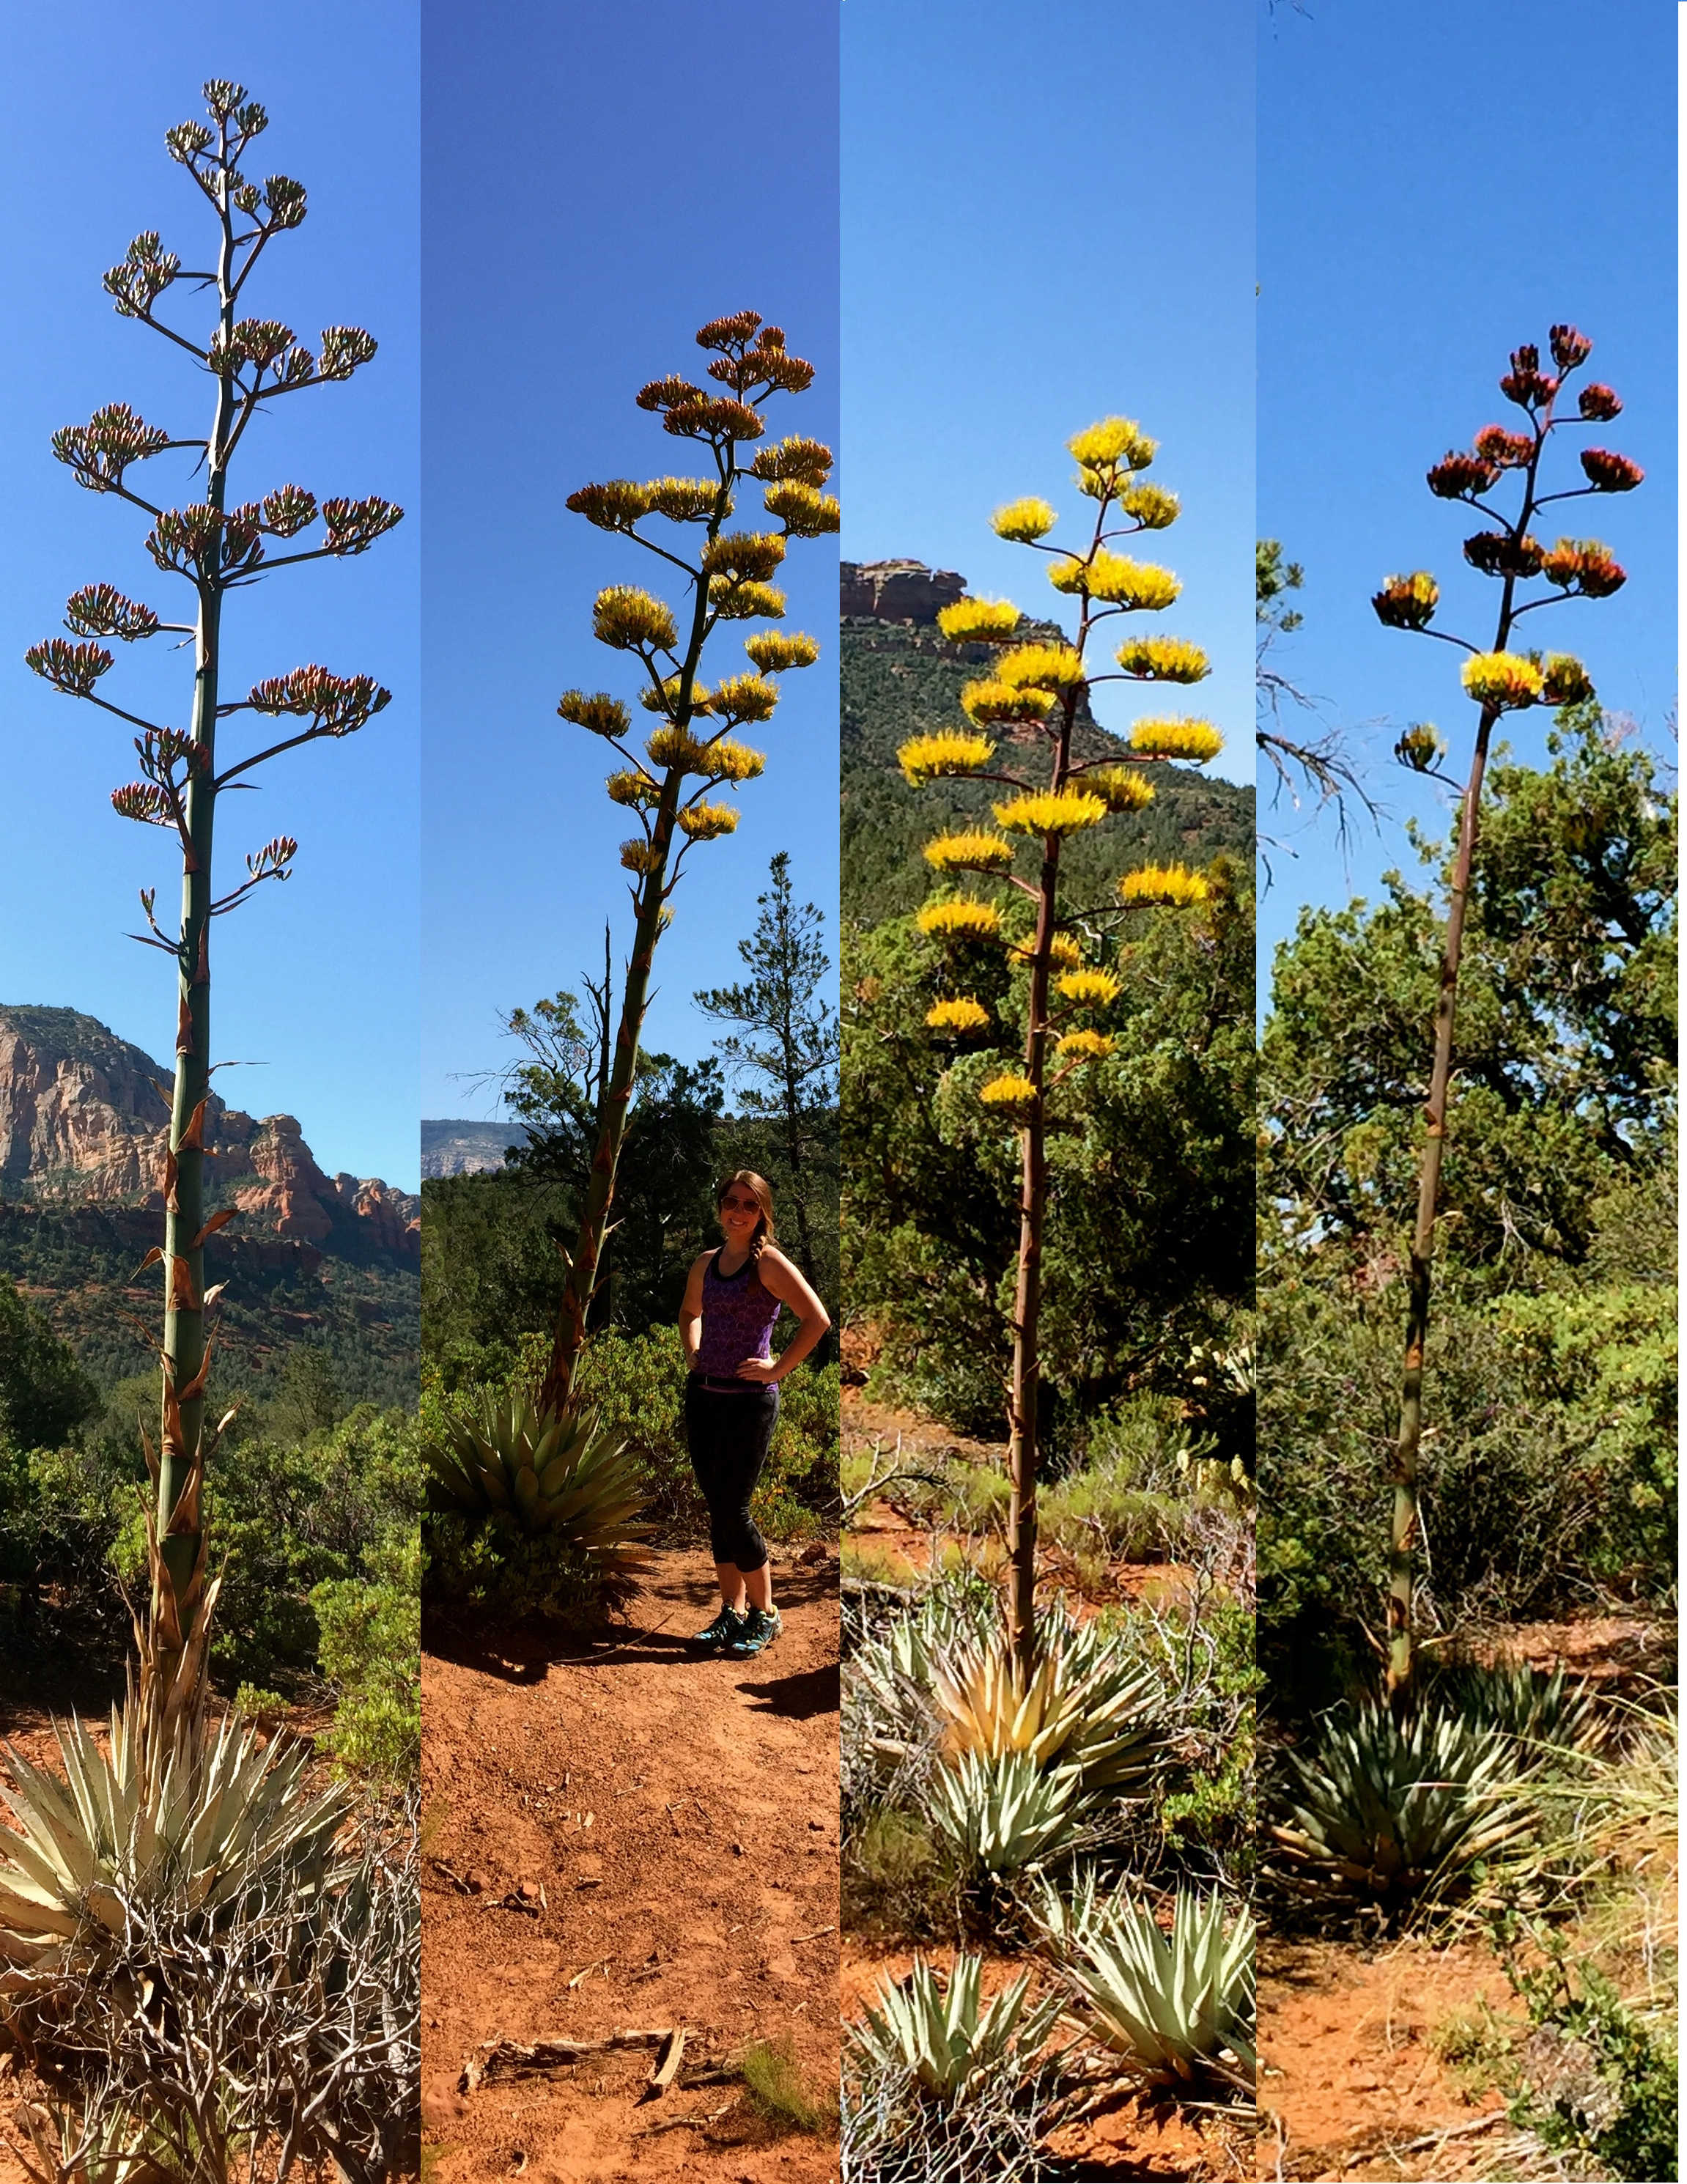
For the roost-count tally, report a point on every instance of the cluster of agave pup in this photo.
(1031, 1783)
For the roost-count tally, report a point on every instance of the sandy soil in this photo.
(1349, 2078)
(669, 1821)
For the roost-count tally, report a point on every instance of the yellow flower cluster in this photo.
(1041, 666)
(811, 461)
(963, 920)
(734, 600)
(728, 761)
(615, 506)
(1180, 738)
(1069, 812)
(639, 855)
(1174, 885)
(751, 555)
(1062, 949)
(677, 747)
(1022, 520)
(1009, 1091)
(988, 699)
(632, 621)
(705, 821)
(1114, 440)
(1090, 990)
(683, 500)
(666, 698)
(1120, 787)
(772, 650)
(744, 698)
(1140, 585)
(1564, 680)
(956, 852)
(957, 1015)
(635, 789)
(979, 621)
(1504, 680)
(1163, 660)
(804, 513)
(1085, 1046)
(1152, 505)
(929, 758)
(603, 715)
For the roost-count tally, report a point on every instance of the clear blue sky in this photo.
(1049, 217)
(599, 183)
(316, 979)
(1437, 185)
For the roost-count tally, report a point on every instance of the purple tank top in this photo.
(739, 1316)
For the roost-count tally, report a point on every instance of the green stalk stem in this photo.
(581, 1282)
(1404, 1525)
(179, 1517)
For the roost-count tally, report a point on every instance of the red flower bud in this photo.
(1610, 473)
(1600, 403)
(1570, 347)
(1497, 553)
(1506, 451)
(1455, 474)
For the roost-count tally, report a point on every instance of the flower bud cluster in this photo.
(102, 611)
(147, 270)
(354, 526)
(1407, 602)
(1584, 566)
(100, 451)
(335, 704)
(202, 541)
(71, 668)
(1525, 383)
(1501, 553)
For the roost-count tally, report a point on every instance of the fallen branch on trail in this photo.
(497, 2060)
(667, 2064)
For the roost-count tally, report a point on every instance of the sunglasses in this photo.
(739, 1206)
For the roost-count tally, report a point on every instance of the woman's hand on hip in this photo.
(759, 1368)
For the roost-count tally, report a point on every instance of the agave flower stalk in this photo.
(215, 546)
(1497, 681)
(1031, 696)
(692, 751)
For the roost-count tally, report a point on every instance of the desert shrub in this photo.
(898, 1879)
(370, 1650)
(770, 2071)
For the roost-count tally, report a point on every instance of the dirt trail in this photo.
(680, 1814)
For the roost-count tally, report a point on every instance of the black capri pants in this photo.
(729, 1437)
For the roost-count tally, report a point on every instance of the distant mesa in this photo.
(83, 1117)
(897, 591)
(465, 1148)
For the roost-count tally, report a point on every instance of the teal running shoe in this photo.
(727, 1626)
(761, 1627)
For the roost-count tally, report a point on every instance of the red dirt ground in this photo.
(680, 1813)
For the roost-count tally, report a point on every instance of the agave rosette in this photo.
(1396, 1808)
(1079, 1707)
(942, 2039)
(1179, 2003)
(546, 1474)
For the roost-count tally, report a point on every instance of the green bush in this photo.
(371, 1649)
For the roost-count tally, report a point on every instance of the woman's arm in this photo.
(783, 1280)
(691, 1312)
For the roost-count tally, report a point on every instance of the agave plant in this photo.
(1394, 1808)
(1541, 1714)
(940, 2040)
(1081, 1707)
(544, 1473)
(1179, 2004)
(1004, 1813)
(204, 1834)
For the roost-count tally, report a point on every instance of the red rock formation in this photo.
(897, 591)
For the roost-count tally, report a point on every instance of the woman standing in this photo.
(732, 1301)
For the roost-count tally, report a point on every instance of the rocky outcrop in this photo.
(897, 591)
(466, 1148)
(83, 1116)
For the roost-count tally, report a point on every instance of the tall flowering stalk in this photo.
(1023, 710)
(1497, 681)
(216, 547)
(692, 750)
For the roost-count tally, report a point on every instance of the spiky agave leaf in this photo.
(549, 1474)
(1178, 2004)
(1004, 1813)
(1082, 1706)
(1395, 1809)
(940, 2039)
(208, 1827)
(1543, 1714)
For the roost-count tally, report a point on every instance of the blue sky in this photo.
(1049, 217)
(317, 980)
(1520, 171)
(600, 182)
